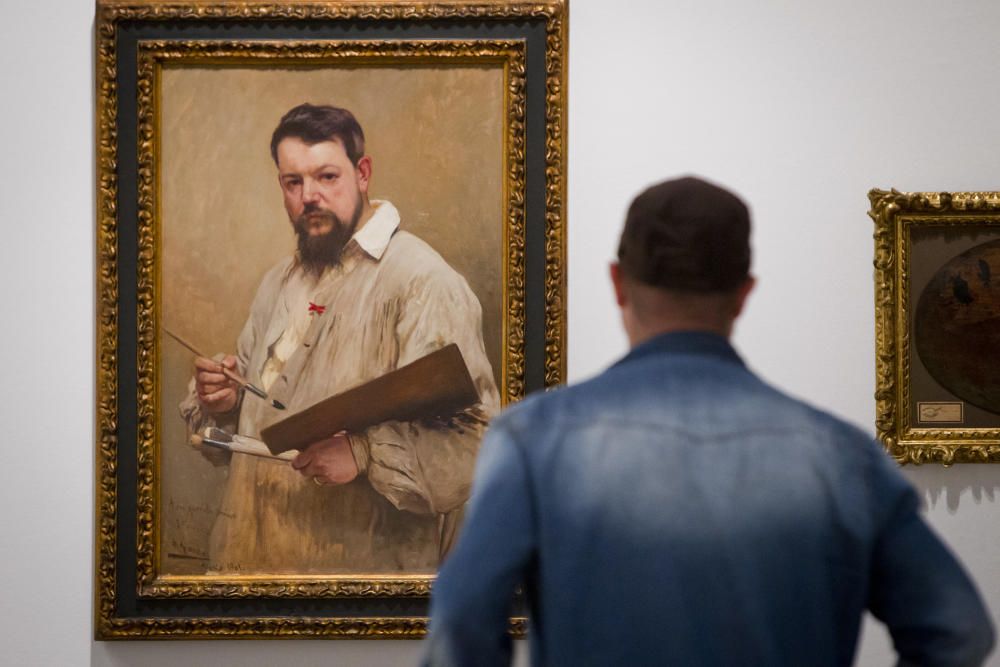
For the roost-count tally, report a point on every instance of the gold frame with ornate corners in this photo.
(128, 583)
(896, 215)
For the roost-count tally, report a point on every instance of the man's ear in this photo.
(618, 281)
(742, 293)
(364, 170)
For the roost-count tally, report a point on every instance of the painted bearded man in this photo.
(358, 299)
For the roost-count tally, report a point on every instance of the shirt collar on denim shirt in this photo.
(685, 342)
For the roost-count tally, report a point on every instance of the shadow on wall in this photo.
(937, 483)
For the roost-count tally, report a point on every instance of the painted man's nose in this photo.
(310, 193)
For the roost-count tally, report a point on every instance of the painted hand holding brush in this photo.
(218, 391)
(218, 382)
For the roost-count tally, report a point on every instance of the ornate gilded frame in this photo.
(133, 599)
(898, 216)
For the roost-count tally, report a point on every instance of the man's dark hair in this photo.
(688, 235)
(315, 123)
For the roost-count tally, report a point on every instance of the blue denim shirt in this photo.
(677, 510)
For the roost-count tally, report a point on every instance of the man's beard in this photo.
(317, 252)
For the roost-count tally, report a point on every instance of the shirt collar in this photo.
(374, 237)
(685, 342)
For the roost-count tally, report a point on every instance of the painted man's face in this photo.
(319, 178)
(324, 196)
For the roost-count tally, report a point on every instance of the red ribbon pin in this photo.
(316, 308)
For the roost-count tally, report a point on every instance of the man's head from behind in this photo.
(324, 175)
(683, 260)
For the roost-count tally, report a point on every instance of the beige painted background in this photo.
(435, 135)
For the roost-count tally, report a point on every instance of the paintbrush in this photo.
(220, 439)
(232, 375)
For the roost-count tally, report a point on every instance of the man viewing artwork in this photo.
(676, 509)
(359, 298)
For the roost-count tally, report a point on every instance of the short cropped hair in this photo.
(315, 123)
(688, 235)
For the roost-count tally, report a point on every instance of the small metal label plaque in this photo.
(941, 413)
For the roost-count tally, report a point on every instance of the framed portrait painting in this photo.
(937, 316)
(331, 247)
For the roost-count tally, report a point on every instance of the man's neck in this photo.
(639, 333)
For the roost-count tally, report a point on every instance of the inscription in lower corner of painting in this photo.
(940, 412)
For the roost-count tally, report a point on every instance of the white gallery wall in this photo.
(801, 107)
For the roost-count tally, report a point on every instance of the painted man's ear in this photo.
(364, 169)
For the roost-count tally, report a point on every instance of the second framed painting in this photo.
(937, 317)
(331, 244)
